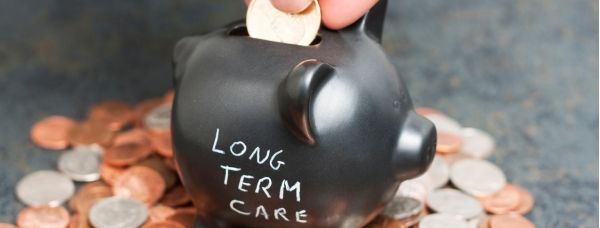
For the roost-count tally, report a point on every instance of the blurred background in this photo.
(525, 71)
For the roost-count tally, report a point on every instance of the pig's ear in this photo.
(372, 22)
(183, 50)
(296, 93)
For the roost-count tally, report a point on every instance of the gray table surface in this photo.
(526, 71)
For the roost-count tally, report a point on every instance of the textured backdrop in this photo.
(524, 70)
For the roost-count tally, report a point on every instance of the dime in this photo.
(118, 212)
(140, 183)
(52, 132)
(477, 177)
(442, 221)
(477, 143)
(114, 114)
(45, 187)
(89, 133)
(503, 201)
(439, 172)
(402, 208)
(159, 118)
(445, 124)
(44, 216)
(450, 201)
(81, 163)
(266, 22)
(163, 224)
(512, 220)
(448, 143)
(526, 203)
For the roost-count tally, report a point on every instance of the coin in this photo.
(442, 221)
(78, 220)
(110, 173)
(157, 163)
(477, 143)
(448, 143)
(176, 197)
(450, 201)
(526, 201)
(89, 194)
(163, 224)
(413, 188)
(81, 163)
(114, 114)
(184, 216)
(439, 172)
(512, 220)
(45, 187)
(477, 177)
(160, 213)
(89, 133)
(140, 183)
(162, 143)
(126, 154)
(135, 135)
(402, 208)
(445, 124)
(266, 22)
(44, 216)
(503, 201)
(142, 109)
(159, 118)
(118, 212)
(52, 132)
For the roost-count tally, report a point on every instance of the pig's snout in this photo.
(415, 147)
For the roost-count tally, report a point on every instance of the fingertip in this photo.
(247, 2)
(337, 14)
(291, 6)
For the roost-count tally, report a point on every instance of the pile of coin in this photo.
(120, 158)
(460, 188)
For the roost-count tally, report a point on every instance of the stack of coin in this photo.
(460, 188)
(122, 159)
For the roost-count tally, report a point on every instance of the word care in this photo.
(260, 185)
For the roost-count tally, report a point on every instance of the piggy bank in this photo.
(270, 134)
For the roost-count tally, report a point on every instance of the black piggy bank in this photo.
(276, 135)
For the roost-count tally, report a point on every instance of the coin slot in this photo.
(239, 30)
(316, 41)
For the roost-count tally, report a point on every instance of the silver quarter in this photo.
(118, 212)
(81, 163)
(45, 187)
(477, 143)
(439, 172)
(477, 177)
(401, 208)
(454, 202)
(442, 221)
(445, 124)
(159, 118)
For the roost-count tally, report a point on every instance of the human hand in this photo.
(336, 14)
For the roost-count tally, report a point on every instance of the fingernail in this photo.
(291, 6)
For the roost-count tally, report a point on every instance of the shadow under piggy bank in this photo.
(276, 135)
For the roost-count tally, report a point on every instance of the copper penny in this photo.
(450, 159)
(79, 220)
(512, 220)
(163, 224)
(169, 97)
(176, 197)
(184, 216)
(448, 143)
(52, 132)
(126, 154)
(109, 173)
(143, 108)
(170, 162)
(89, 133)
(424, 111)
(160, 212)
(502, 202)
(114, 114)
(140, 183)
(156, 162)
(161, 141)
(527, 201)
(135, 135)
(90, 194)
(44, 216)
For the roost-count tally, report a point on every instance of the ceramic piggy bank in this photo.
(277, 135)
